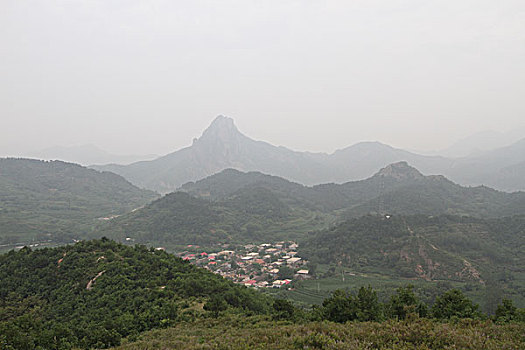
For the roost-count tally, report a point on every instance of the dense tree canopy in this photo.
(94, 293)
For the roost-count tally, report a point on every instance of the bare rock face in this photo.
(221, 129)
(221, 143)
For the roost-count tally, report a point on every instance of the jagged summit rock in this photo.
(222, 128)
(400, 170)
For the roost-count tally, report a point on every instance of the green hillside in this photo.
(54, 201)
(443, 248)
(397, 188)
(435, 195)
(255, 215)
(93, 293)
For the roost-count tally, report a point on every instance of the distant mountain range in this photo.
(222, 146)
(86, 155)
(396, 189)
(481, 142)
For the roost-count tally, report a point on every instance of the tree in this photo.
(340, 307)
(405, 302)
(216, 304)
(283, 309)
(506, 311)
(454, 304)
(369, 308)
(285, 273)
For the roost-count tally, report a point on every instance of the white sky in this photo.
(149, 76)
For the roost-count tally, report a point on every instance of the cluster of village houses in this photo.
(258, 266)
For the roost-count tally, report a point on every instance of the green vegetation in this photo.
(53, 201)
(475, 252)
(180, 219)
(94, 293)
(342, 307)
(236, 207)
(353, 321)
(365, 306)
(260, 333)
(404, 303)
(454, 304)
(396, 189)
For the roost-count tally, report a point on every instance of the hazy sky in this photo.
(149, 76)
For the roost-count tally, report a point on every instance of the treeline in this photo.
(348, 321)
(364, 306)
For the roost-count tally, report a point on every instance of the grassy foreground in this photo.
(262, 333)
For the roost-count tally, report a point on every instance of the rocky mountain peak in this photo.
(400, 170)
(222, 129)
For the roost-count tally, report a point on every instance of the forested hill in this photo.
(433, 248)
(231, 183)
(237, 207)
(93, 293)
(255, 215)
(397, 188)
(52, 200)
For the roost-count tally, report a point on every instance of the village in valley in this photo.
(259, 266)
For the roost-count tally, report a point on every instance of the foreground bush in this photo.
(259, 333)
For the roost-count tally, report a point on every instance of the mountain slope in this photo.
(482, 142)
(93, 293)
(433, 248)
(254, 215)
(86, 155)
(398, 188)
(434, 195)
(53, 200)
(232, 206)
(222, 146)
(502, 168)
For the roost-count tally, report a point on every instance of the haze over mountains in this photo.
(223, 146)
(481, 142)
(86, 155)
